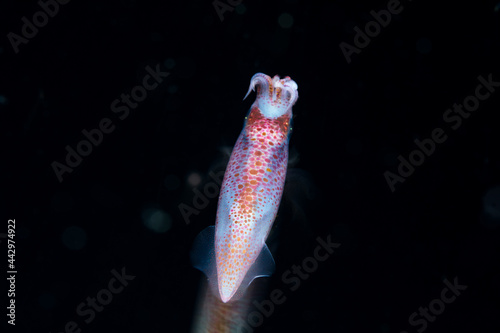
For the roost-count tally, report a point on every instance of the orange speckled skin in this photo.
(250, 195)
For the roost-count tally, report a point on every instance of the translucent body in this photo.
(252, 188)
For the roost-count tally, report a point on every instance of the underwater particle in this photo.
(491, 207)
(285, 20)
(354, 146)
(169, 63)
(62, 202)
(390, 159)
(23, 232)
(186, 68)
(74, 238)
(497, 7)
(46, 300)
(208, 20)
(241, 9)
(424, 45)
(105, 196)
(491, 202)
(173, 102)
(3, 100)
(156, 37)
(171, 182)
(172, 88)
(194, 179)
(156, 220)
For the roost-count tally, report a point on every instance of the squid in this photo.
(233, 252)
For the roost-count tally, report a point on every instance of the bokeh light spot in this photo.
(285, 20)
(169, 63)
(172, 89)
(194, 179)
(491, 203)
(172, 182)
(241, 9)
(156, 220)
(47, 300)
(424, 45)
(74, 238)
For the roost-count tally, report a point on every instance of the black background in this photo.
(350, 124)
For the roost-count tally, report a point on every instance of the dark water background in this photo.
(119, 207)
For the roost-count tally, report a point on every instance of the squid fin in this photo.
(203, 258)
